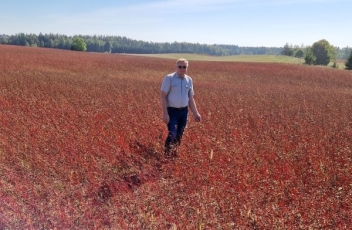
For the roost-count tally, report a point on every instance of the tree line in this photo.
(119, 44)
(320, 53)
(301, 51)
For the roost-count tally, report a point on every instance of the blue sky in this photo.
(270, 23)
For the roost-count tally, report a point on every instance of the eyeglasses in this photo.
(182, 67)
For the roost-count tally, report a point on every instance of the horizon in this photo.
(255, 23)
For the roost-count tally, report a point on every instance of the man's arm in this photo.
(163, 97)
(193, 106)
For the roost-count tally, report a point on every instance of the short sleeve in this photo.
(165, 86)
(191, 90)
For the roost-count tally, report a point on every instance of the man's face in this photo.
(181, 68)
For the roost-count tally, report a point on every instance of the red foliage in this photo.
(81, 140)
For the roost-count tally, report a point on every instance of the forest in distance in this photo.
(121, 44)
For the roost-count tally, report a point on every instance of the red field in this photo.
(81, 139)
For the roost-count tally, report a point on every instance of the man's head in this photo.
(181, 67)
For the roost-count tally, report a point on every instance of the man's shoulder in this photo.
(188, 77)
(171, 74)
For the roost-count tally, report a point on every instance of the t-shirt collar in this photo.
(180, 76)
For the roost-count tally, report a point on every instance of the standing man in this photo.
(176, 95)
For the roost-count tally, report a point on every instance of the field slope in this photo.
(81, 142)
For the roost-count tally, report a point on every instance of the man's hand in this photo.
(166, 118)
(197, 117)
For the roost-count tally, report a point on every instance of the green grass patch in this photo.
(340, 64)
(240, 58)
(235, 58)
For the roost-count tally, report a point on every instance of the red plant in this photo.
(81, 139)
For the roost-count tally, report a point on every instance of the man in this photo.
(176, 96)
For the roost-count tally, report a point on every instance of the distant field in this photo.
(239, 58)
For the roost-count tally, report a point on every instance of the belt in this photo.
(173, 108)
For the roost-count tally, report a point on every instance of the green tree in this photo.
(348, 63)
(346, 52)
(323, 52)
(78, 44)
(107, 47)
(299, 53)
(288, 51)
(309, 58)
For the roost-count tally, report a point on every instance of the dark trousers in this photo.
(176, 127)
